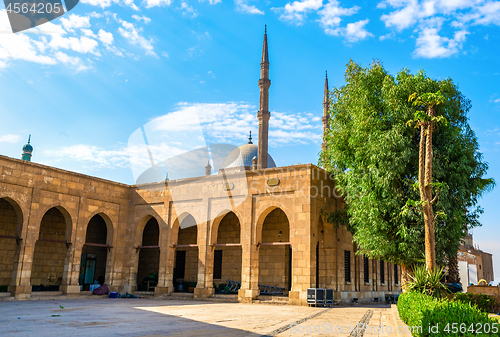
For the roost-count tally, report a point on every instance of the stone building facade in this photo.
(257, 225)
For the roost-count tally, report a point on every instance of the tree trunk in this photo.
(453, 272)
(430, 254)
(406, 273)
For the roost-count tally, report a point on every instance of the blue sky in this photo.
(85, 82)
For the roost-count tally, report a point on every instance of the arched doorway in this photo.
(10, 228)
(50, 250)
(94, 254)
(275, 255)
(186, 256)
(149, 257)
(227, 255)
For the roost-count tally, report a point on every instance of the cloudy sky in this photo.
(86, 84)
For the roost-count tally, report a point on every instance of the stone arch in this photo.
(95, 263)
(264, 212)
(275, 255)
(110, 225)
(142, 224)
(68, 218)
(51, 253)
(216, 223)
(11, 223)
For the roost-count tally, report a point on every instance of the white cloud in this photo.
(188, 10)
(209, 123)
(428, 16)
(141, 18)
(430, 44)
(356, 31)
(157, 3)
(133, 35)
(105, 37)
(10, 138)
(242, 6)
(330, 15)
(90, 156)
(297, 10)
(497, 100)
(82, 45)
(101, 3)
(75, 21)
(75, 62)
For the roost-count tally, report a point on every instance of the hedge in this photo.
(427, 316)
(484, 302)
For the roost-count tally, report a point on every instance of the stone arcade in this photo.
(259, 225)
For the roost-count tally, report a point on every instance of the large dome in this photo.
(243, 155)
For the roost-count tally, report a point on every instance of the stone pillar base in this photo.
(159, 291)
(67, 289)
(201, 293)
(21, 292)
(127, 289)
(297, 298)
(247, 295)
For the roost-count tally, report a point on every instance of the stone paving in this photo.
(150, 317)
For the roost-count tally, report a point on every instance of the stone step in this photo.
(144, 294)
(276, 300)
(46, 293)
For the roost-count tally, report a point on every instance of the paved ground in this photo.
(149, 317)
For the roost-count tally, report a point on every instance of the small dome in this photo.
(243, 155)
(28, 148)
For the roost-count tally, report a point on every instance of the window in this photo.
(382, 272)
(347, 265)
(396, 281)
(217, 264)
(180, 264)
(366, 269)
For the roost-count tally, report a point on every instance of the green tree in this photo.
(374, 158)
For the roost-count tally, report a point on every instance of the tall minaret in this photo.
(264, 114)
(326, 114)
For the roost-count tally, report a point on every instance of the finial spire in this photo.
(29, 139)
(250, 138)
(325, 96)
(265, 54)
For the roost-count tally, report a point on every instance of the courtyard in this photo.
(152, 317)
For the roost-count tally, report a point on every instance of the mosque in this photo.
(250, 231)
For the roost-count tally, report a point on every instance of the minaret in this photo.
(208, 169)
(264, 114)
(27, 150)
(326, 114)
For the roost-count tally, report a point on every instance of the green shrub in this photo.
(428, 316)
(486, 303)
(428, 283)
